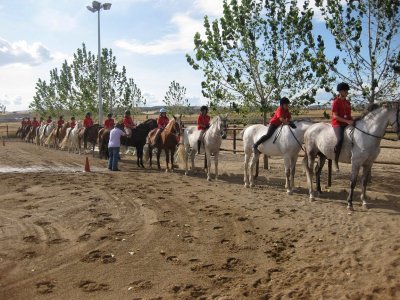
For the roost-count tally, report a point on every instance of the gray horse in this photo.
(361, 146)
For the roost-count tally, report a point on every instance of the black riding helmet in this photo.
(343, 86)
(204, 108)
(88, 114)
(109, 115)
(127, 113)
(284, 100)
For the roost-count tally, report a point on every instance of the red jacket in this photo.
(342, 108)
(109, 123)
(128, 122)
(280, 113)
(72, 124)
(60, 123)
(28, 122)
(162, 122)
(87, 122)
(203, 122)
(35, 123)
(49, 121)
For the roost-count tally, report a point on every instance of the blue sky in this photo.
(149, 37)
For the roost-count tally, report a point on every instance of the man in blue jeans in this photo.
(114, 145)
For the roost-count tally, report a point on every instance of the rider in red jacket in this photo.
(109, 122)
(203, 123)
(341, 118)
(162, 122)
(128, 124)
(60, 121)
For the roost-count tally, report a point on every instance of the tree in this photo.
(73, 88)
(175, 99)
(259, 51)
(366, 34)
(2, 108)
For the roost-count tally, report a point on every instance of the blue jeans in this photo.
(113, 160)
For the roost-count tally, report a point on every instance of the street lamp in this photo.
(96, 7)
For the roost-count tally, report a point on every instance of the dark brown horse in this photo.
(137, 140)
(88, 135)
(167, 141)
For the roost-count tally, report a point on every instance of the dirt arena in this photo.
(145, 234)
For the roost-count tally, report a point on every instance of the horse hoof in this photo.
(246, 185)
(289, 192)
(365, 206)
(312, 199)
(350, 208)
(186, 173)
(166, 170)
(208, 179)
(252, 185)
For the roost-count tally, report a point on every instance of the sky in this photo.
(149, 37)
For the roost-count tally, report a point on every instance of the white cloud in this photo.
(56, 21)
(212, 8)
(23, 53)
(180, 41)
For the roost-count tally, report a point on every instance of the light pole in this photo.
(96, 7)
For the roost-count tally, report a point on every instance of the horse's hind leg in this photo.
(364, 181)
(308, 164)
(253, 163)
(318, 172)
(216, 164)
(208, 161)
(247, 157)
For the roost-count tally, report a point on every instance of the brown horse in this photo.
(168, 141)
(88, 135)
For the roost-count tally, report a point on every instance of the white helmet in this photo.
(163, 110)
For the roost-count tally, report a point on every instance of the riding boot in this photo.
(255, 149)
(198, 147)
(337, 154)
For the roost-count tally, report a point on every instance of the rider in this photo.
(72, 123)
(23, 122)
(341, 117)
(281, 116)
(203, 123)
(41, 121)
(87, 123)
(162, 122)
(109, 122)
(28, 121)
(49, 120)
(128, 124)
(35, 123)
(60, 121)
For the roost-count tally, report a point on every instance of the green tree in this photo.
(73, 88)
(2, 108)
(259, 51)
(175, 99)
(366, 34)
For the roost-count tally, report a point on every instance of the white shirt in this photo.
(115, 137)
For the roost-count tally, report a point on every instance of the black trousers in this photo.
(339, 133)
(270, 132)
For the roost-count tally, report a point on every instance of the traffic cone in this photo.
(87, 167)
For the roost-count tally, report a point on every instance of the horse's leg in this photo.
(186, 159)
(150, 156)
(288, 166)
(253, 162)
(308, 164)
(247, 157)
(318, 172)
(216, 164)
(192, 155)
(293, 171)
(172, 159)
(208, 161)
(355, 169)
(158, 158)
(364, 181)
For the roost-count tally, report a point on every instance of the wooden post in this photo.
(234, 139)
(329, 172)
(7, 130)
(266, 167)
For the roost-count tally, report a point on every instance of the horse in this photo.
(138, 140)
(212, 142)
(71, 139)
(168, 140)
(57, 135)
(361, 146)
(31, 134)
(90, 136)
(286, 142)
(44, 132)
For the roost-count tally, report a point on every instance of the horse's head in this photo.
(223, 127)
(394, 116)
(177, 128)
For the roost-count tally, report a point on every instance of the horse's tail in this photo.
(146, 152)
(306, 167)
(48, 140)
(180, 154)
(64, 142)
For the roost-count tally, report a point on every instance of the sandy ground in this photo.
(145, 234)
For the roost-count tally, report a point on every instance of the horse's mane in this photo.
(371, 110)
(169, 126)
(146, 123)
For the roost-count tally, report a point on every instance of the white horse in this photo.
(212, 143)
(71, 139)
(361, 146)
(285, 142)
(44, 132)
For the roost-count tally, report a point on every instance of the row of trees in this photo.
(73, 88)
(261, 50)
